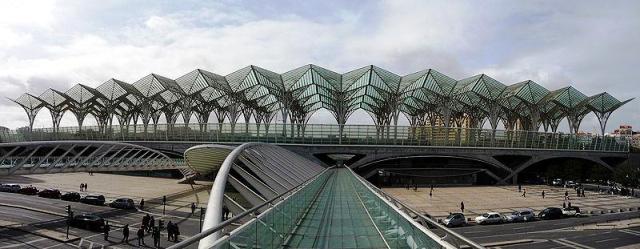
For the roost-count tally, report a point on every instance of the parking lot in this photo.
(596, 228)
(506, 199)
(29, 221)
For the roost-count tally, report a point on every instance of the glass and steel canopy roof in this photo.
(302, 91)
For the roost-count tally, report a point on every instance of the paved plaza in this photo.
(505, 199)
(114, 186)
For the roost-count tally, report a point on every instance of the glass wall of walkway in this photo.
(336, 210)
(330, 134)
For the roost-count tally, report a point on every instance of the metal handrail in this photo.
(196, 238)
(404, 206)
(332, 134)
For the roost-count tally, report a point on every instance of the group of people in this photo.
(83, 187)
(149, 226)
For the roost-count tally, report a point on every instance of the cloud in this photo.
(567, 43)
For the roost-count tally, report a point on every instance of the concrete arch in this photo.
(486, 162)
(514, 175)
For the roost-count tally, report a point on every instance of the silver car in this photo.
(521, 216)
(11, 188)
(454, 220)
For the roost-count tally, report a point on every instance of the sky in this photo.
(592, 46)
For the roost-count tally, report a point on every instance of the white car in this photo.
(571, 211)
(489, 218)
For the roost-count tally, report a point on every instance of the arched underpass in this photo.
(567, 168)
(426, 170)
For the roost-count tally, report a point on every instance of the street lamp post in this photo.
(201, 213)
(164, 204)
(69, 218)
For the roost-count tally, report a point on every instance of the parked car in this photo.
(88, 221)
(556, 182)
(550, 213)
(454, 220)
(571, 184)
(521, 215)
(97, 200)
(123, 203)
(70, 196)
(31, 190)
(50, 193)
(489, 218)
(572, 211)
(11, 188)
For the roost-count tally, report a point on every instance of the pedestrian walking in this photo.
(225, 212)
(169, 231)
(564, 204)
(152, 223)
(542, 194)
(145, 222)
(524, 194)
(156, 237)
(193, 208)
(583, 195)
(81, 186)
(106, 230)
(86, 186)
(430, 194)
(519, 188)
(141, 236)
(176, 232)
(566, 195)
(125, 233)
(462, 206)
(142, 203)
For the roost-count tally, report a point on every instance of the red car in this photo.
(28, 190)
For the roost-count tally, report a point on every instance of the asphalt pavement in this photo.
(557, 233)
(48, 214)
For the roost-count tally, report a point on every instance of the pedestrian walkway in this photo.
(337, 219)
(506, 199)
(336, 210)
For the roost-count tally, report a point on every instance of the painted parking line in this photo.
(23, 243)
(572, 244)
(632, 232)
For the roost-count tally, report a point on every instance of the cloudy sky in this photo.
(56, 44)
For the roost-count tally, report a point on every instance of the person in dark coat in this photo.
(193, 208)
(106, 230)
(125, 234)
(176, 232)
(152, 223)
(169, 231)
(156, 237)
(141, 236)
(142, 203)
(145, 222)
(225, 212)
(462, 206)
